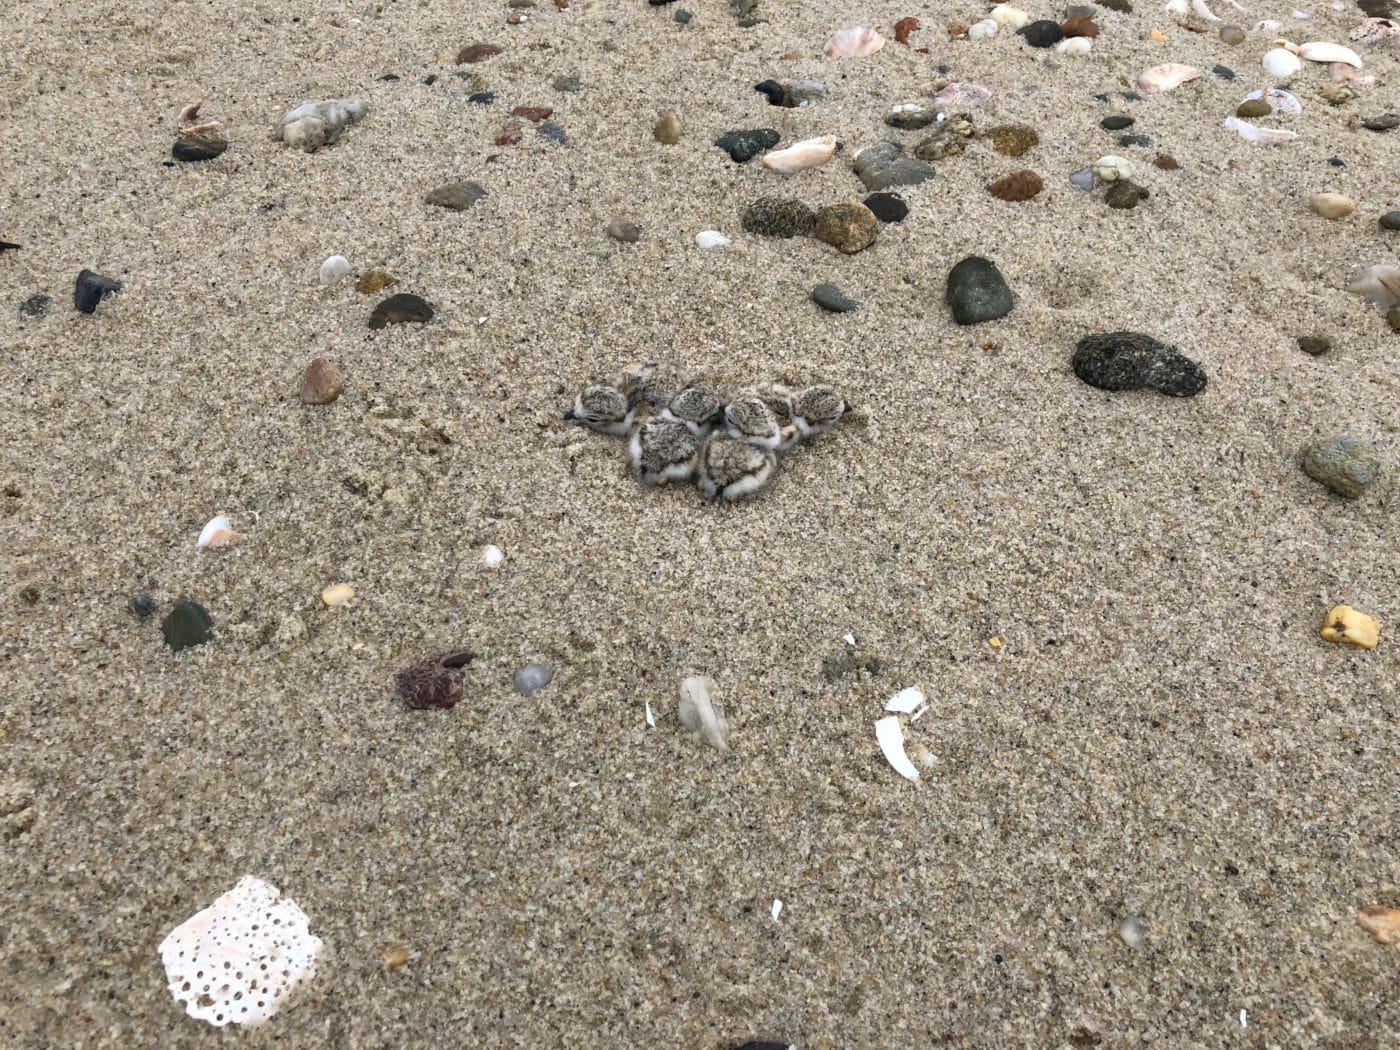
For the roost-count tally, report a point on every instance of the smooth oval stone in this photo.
(745, 145)
(667, 129)
(977, 291)
(772, 91)
(1133, 361)
(1231, 34)
(196, 148)
(91, 288)
(1345, 464)
(187, 625)
(887, 207)
(403, 308)
(1390, 220)
(1117, 122)
(778, 217)
(531, 678)
(849, 227)
(456, 196)
(1083, 179)
(624, 230)
(829, 297)
(321, 383)
(1252, 108)
(885, 165)
(1316, 345)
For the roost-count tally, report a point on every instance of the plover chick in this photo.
(655, 383)
(749, 418)
(697, 408)
(663, 450)
(731, 468)
(816, 409)
(603, 408)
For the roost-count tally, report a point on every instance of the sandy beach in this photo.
(1111, 600)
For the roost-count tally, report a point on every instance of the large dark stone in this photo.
(187, 625)
(1133, 361)
(887, 207)
(977, 291)
(829, 297)
(402, 308)
(886, 165)
(745, 145)
(91, 288)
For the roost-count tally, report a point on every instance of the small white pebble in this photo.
(983, 30)
(337, 594)
(1134, 934)
(777, 909)
(711, 239)
(651, 718)
(849, 639)
(1075, 45)
(492, 557)
(334, 269)
(1244, 1019)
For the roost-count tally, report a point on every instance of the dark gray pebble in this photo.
(553, 132)
(1117, 122)
(1345, 464)
(683, 17)
(403, 308)
(569, 85)
(744, 145)
(829, 297)
(1043, 33)
(482, 98)
(9, 246)
(1224, 72)
(198, 147)
(1317, 345)
(456, 196)
(1133, 361)
(143, 605)
(1384, 122)
(978, 292)
(1124, 195)
(187, 625)
(885, 165)
(91, 288)
(1336, 162)
(779, 217)
(887, 207)
(774, 92)
(1134, 140)
(35, 306)
(1390, 221)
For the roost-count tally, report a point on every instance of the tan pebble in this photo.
(668, 129)
(337, 594)
(374, 281)
(1332, 205)
(394, 955)
(321, 383)
(1383, 924)
(1346, 626)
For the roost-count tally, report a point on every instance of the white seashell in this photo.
(1176, 7)
(1199, 6)
(1280, 100)
(334, 269)
(1300, 15)
(1111, 168)
(492, 557)
(906, 701)
(854, 42)
(337, 594)
(1281, 63)
(712, 239)
(809, 153)
(218, 533)
(1254, 133)
(983, 30)
(968, 95)
(1166, 76)
(890, 737)
(651, 718)
(1011, 17)
(698, 713)
(777, 909)
(1075, 45)
(1322, 51)
(1380, 284)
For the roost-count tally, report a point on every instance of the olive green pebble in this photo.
(1124, 194)
(1254, 107)
(1231, 34)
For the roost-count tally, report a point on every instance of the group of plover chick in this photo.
(678, 430)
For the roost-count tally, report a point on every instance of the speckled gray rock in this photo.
(1345, 464)
(456, 196)
(531, 678)
(829, 297)
(886, 165)
(624, 230)
(402, 308)
(746, 144)
(1133, 361)
(779, 217)
(187, 625)
(977, 291)
(35, 306)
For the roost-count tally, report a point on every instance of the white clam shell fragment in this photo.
(1379, 284)
(218, 533)
(1176, 7)
(890, 736)
(699, 714)
(711, 239)
(1111, 168)
(1282, 63)
(809, 153)
(1074, 46)
(906, 701)
(1011, 17)
(1165, 77)
(1254, 133)
(334, 269)
(492, 556)
(1323, 51)
(983, 30)
(241, 959)
(1281, 101)
(1199, 6)
(968, 95)
(854, 42)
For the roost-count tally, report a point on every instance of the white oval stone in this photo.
(336, 268)
(711, 239)
(492, 556)
(1111, 168)
(1282, 63)
(983, 30)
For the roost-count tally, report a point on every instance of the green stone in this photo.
(187, 625)
(776, 217)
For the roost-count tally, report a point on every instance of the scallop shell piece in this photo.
(1165, 77)
(1378, 32)
(969, 96)
(218, 533)
(854, 42)
(337, 594)
(1378, 284)
(1281, 63)
(1254, 133)
(890, 737)
(983, 30)
(1074, 46)
(1281, 101)
(809, 153)
(492, 556)
(1011, 17)
(1324, 51)
(699, 714)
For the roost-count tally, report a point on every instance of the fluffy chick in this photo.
(731, 468)
(603, 408)
(816, 409)
(697, 408)
(663, 450)
(749, 418)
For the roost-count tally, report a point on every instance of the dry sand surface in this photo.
(1161, 734)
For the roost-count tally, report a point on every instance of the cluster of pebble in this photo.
(678, 430)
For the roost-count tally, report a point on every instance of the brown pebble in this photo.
(476, 53)
(955, 30)
(321, 383)
(849, 227)
(1231, 34)
(668, 129)
(1080, 25)
(1392, 318)
(903, 28)
(1253, 107)
(534, 114)
(431, 683)
(511, 134)
(393, 956)
(1013, 139)
(624, 230)
(1317, 345)
(374, 281)
(1021, 186)
(1166, 162)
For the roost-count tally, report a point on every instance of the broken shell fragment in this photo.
(1380, 284)
(699, 714)
(906, 701)
(1282, 63)
(1254, 133)
(1347, 626)
(1111, 168)
(890, 737)
(809, 153)
(1011, 17)
(1280, 100)
(218, 533)
(1322, 51)
(492, 556)
(1199, 6)
(969, 95)
(983, 30)
(1382, 923)
(1075, 45)
(854, 42)
(1165, 77)
(337, 594)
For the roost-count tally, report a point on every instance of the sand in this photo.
(1161, 733)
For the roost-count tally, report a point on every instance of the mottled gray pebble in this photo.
(1083, 179)
(1345, 464)
(531, 678)
(1390, 220)
(456, 196)
(35, 306)
(830, 297)
(624, 230)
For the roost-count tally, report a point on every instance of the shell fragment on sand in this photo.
(651, 718)
(777, 909)
(218, 533)
(699, 714)
(337, 594)
(1379, 284)
(906, 701)
(854, 42)
(1347, 626)
(1281, 63)
(809, 153)
(1165, 77)
(1323, 51)
(241, 959)
(1254, 133)
(1382, 923)
(890, 737)
(1281, 101)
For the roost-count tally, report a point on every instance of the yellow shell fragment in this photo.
(1383, 924)
(337, 594)
(1346, 626)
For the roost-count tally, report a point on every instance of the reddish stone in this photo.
(903, 28)
(1080, 25)
(476, 53)
(534, 114)
(1021, 186)
(431, 683)
(511, 134)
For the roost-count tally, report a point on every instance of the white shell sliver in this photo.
(906, 701)
(1321, 51)
(699, 714)
(890, 737)
(1254, 133)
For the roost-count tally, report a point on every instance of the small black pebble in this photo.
(143, 605)
(390, 76)
(482, 98)
(1336, 162)
(1134, 140)
(430, 79)
(1043, 33)
(1390, 221)
(91, 288)
(683, 16)
(1132, 96)
(773, 91)
(659, 3)
(944, 69)
(887, 207)
(1117, 122)
(1105, 97)
(1224, 72)
(1316, 345)
(35, 305)
(554, 132)
(8, 246)
(187, 625)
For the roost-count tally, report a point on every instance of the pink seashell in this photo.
(1165, 77)
(854, 42)
(969, 95)
(809, 153)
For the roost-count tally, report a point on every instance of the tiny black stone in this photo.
(1104, 97)
(1132, 96)
(1224, 72)
(745, 145)
(402, 308)
(1117, 122)
(1133, 361)
(482, 98)
(944, 69)
(683, 16)
(887, 207)
(1390, 221)
(1134, 140)
(554, 132)
(187, 625)
(36, 305)
(1043, 33)
(390, 77)
(9, 246)
(1316, 345)
(1336, 162)
(91, 288)
(430, 79)
(660, 3)
(143, 605)
(829, 297)
(773, 91)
